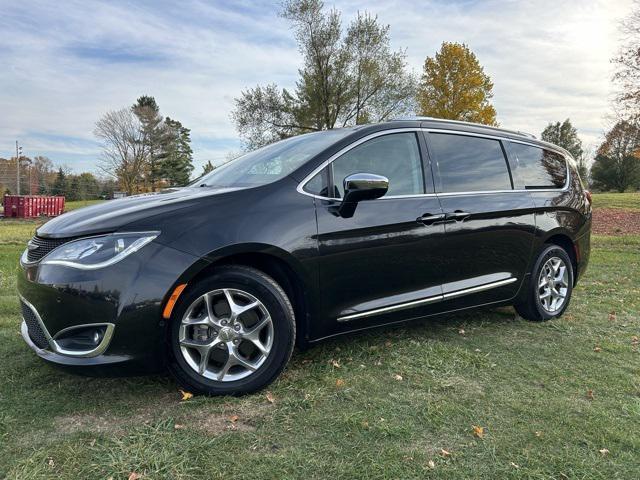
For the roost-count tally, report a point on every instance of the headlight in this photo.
(98, 252)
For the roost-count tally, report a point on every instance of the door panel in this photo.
(382, 256)
(490, 246)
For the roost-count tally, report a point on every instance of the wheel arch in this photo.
(285, 269)
(563, 240)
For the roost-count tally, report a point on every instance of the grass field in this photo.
(554, 400)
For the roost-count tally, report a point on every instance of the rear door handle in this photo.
(429, 219)
(458, 216)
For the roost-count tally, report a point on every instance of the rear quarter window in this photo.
(538, 167)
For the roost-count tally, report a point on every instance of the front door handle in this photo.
(429, 219)
(458, 216)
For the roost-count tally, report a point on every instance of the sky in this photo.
(64, 64)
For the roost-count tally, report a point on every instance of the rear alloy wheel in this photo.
(232, 333)
(550, 286)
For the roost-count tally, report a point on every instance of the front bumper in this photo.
(126, 298)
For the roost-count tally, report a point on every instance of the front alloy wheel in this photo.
(231, 333)
(226, 334)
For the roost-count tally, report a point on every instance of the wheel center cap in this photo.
(226, 334)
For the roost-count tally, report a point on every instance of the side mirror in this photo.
(359, 187)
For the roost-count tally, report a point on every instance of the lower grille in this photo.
(39, 246)
(36, 333)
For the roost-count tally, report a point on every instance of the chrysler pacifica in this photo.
(305, 239)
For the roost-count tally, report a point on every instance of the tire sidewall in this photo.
(546, 254)
(283, 336)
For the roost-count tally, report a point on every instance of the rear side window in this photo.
(539, 168)
(469, 164)
(395, 156)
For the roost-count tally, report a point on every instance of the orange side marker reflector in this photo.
(168, 308)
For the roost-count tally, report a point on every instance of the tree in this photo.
(346, 79)
(627, 62)
(208, 167)
(148, 113)
(124, 150)
(564, 135)
(175, 164)
(454, 86)
(60, 185)
(617, 163)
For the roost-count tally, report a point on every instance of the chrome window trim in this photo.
(102, 346)
(305, 180)
(422, 301)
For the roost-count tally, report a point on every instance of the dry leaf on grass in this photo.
(339, 382)
(431, 464)
(515, 465)
(635, 342)
(478, 431)
(397, 377)
(445, 453)
(335, 363)
(270, 397)
(233, 418)
(603, 451)
(186, 395)
(538, 434)
(134, 476)
(597, 349)
(612, 316)
(589, 394)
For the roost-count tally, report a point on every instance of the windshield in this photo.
(271, 163)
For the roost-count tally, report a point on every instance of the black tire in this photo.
(272, 296)
(531, 307)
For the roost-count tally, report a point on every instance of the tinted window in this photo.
(318, 185)
(271, 163)
(469, 164)
(539, 168)
(395, 156)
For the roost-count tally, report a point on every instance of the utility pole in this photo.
(18, 154)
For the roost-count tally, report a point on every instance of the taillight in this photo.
(587, 194)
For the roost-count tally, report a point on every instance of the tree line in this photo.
(352, 76)
(39, 176)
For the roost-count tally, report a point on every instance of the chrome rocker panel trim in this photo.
(423, 301)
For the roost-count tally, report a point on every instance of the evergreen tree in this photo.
(176, 163)
(564, 135)
(208, 167)
(60, 185)
(148, 113)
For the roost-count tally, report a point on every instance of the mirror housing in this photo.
(359, 187)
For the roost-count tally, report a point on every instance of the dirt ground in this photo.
(614, 221)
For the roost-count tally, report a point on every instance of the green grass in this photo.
(626, 201)
(525, 383)
(68, 206)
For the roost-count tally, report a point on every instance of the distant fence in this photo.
(29, 206)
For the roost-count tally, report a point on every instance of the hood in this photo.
(114, 214)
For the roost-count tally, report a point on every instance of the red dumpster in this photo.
(29, 206)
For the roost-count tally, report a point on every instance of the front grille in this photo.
(35, 330)
(38, 247)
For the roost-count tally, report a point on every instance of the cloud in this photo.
(66, 63)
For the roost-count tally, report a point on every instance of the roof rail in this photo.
(460, 122)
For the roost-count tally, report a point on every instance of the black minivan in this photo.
(305, 239)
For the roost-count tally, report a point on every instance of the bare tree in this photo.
(627, 62)
(124, 149)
